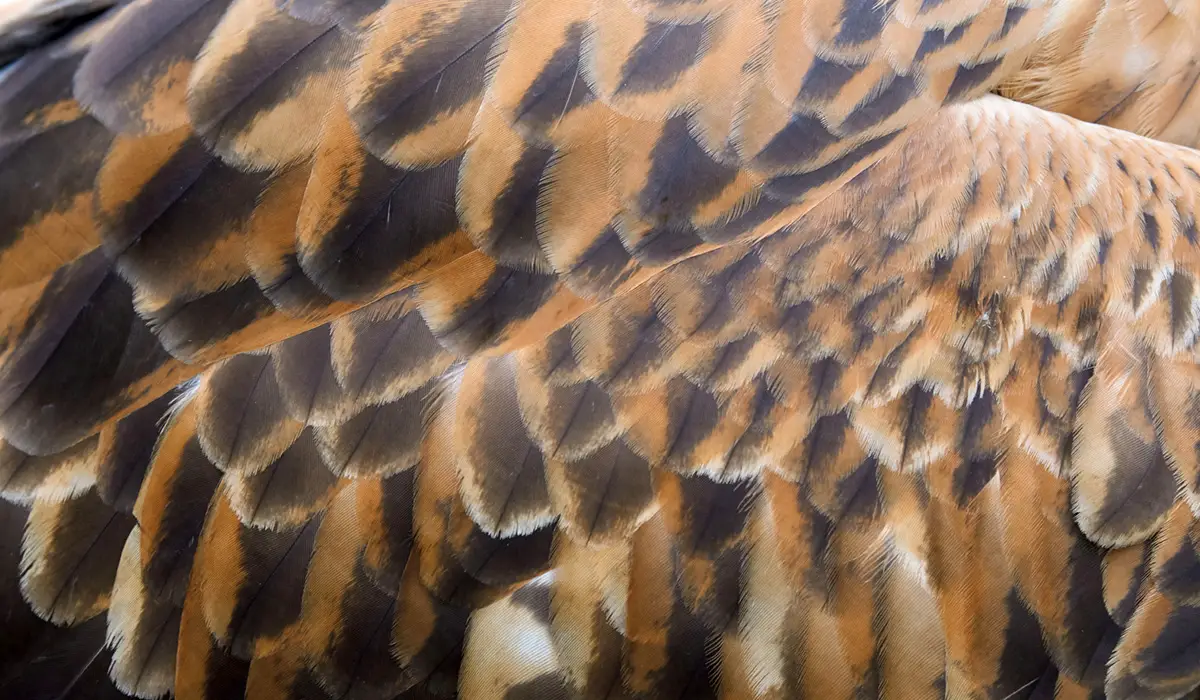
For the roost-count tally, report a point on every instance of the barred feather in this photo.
(601, 348)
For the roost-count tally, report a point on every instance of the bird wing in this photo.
(1130, 64)
(597, 348)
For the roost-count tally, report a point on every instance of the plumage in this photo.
(250, 580)
(171, 506)
(345, 620)
(71, 579)
(143, 631)
(288, 492)
(240, 419)
(599, 348)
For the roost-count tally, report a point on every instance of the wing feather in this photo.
(690, 348)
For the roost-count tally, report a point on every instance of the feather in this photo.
(256, 114)
(473, 305)
(152, 188)
(167, 201)
(54, 477)
(59, 665)
(345, 617)
(49, 221)
(754, 660)
(499, 563)
(1175, 555)
(1155, 654)
(604, 497)
(135, 79)
(437, 512)
(615, 269)
(509, 648)
(171, 507)
(660, 229)
(1174, 390)
(124, 453)
(282, 676)
(1125, 572)
(241, 421)
(348, 14)
(427, 634)
(665, 647)
(624, 349)
(28, 28)
(28, 635)
(502, 470)
(414, 106)
(1149, 97)
(143, 632)
(288, 492)
(379, 441)
(385, 351)
(365, 228)
(538, 84)
(62, 296)
(202, 669)
(307, 384)
(912, 657)
(683, 427)
(499, 185)
(1058, 572)
(271, 249)
(642, 66)
(568, 421)
(126, 368)
(69, 557)
(250, 581)
(578, 208)
(385, 510)
(991, 638)
(1123, 486)
(804, 536)
(707, 523)
(586, 641)
(87, 309)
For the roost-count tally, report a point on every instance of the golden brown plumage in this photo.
(601, 349)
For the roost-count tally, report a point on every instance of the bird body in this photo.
(601, 349)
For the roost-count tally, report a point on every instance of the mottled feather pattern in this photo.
(602, 349)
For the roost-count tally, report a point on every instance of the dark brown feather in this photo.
(385, 350)
(307, 383)
(241, 420)
(346, 619)
(171, 507)
(385, 509)
(603, 497)
(414, 106)
(69, 557)
(143, 631)
(255, 114)
(125, 451)
(49, 220)
(504, 481)
(135, 80)
(204, 671)
(125, 366)
(380, 440)
(250, 580)
(286, 494)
